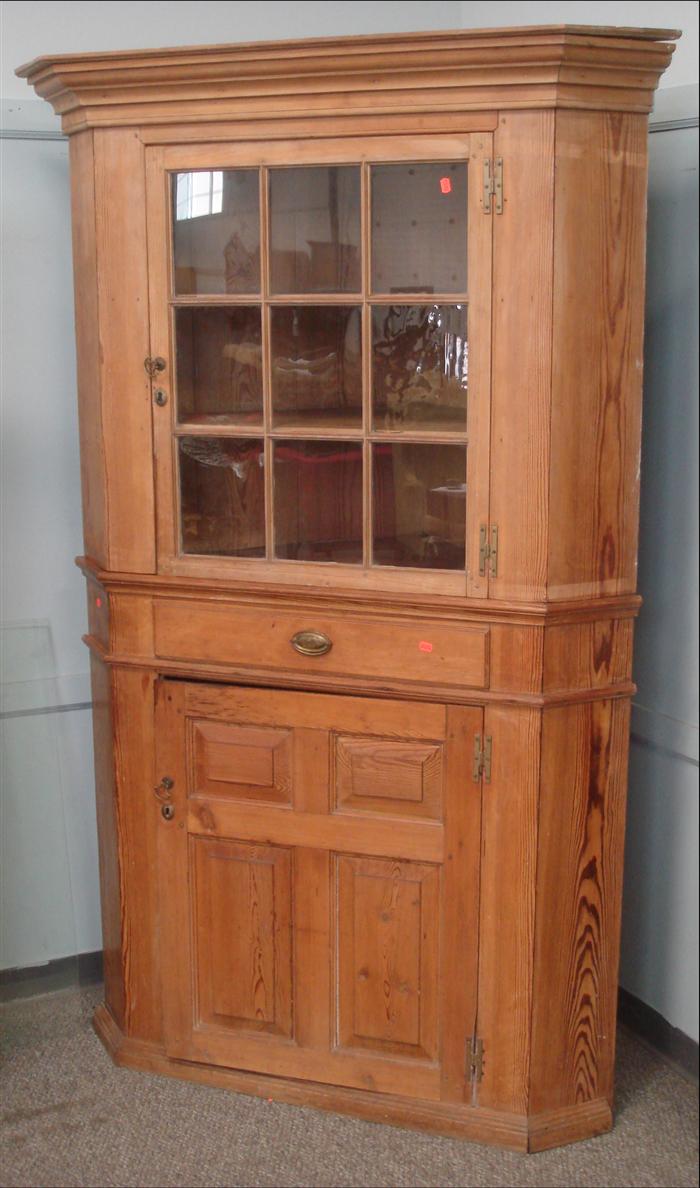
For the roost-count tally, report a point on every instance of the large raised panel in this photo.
(387, 956)
(242, 935)
(380, 775)
(239, 762)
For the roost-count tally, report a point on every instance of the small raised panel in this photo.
(389, 776)
(387, 956)
(240, 762)
(242, 936)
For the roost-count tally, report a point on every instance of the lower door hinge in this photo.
(488, 551)
(493, 185)
(483, 750)
(475, 1059)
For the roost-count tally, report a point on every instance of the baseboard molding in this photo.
(84, 969)
(677, 1047)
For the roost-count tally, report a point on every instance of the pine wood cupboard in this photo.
(359, 332)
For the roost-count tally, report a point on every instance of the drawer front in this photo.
(410, 650)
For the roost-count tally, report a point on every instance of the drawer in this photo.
(380, 650)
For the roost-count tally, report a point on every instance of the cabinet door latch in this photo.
(493, 185)
(488, 551)
(483, 751)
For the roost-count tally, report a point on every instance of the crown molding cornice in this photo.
(567, 66)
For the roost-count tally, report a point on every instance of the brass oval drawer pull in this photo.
(311, 643)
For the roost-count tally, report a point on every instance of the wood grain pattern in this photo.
(588, 655)
(599, 260)
(239, 762)
(522, 346)
(87, 345)
(371, 649)
(507, 922)
(124, 389)
(579, 881)
(391, 777)
(242, 935)
(387, 955)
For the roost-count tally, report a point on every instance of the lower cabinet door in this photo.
(318, 883)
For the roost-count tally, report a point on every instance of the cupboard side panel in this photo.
(134, 746)
(507, 915)
(599, 255)
(522, 350)
(122, 298)
(87, 343)
(108, 841)
(579, 890)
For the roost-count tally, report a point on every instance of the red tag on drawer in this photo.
(424, 646)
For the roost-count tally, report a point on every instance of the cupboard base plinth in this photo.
(512, 1131)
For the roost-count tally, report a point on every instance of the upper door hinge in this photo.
(483, 752)
(488, 551)
(493, 185)
(475, 1059)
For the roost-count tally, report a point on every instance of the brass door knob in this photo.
(311, 643)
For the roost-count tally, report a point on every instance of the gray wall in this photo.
(48, 853)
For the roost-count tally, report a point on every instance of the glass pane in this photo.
(419, 499)
(222, 496)
(219, 365)
(315, 229)
(318, 500)
(216, 231)
(419, 228)
(419, 367)
(317, 366)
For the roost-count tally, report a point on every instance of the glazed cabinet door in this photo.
(320, 314)
(319, 883)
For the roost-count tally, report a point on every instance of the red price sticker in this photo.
(424, 646)
(98, 602)
(445, 185)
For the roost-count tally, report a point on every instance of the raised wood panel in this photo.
(522, 354)
(579, 888)
(387, 956)
(242, 936)
(388, 776)
(364, 647)
(599, 255)
(240, 762)
(87, 344)
(507, 920)
(124, 389)
(588, 655)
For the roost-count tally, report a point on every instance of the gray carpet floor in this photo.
(71, 1118)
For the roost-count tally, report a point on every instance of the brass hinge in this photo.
(483, 752)
(493, 185)
(475, 1059)
(488, 551)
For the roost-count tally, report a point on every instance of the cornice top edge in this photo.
(322, 47)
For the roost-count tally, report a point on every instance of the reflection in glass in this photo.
(317, 366)
(419, 505)
(222, 496)
(318, 500)
(216, 231)
(419, 228)
(315, 229)
(219, 365)
(419, 367)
